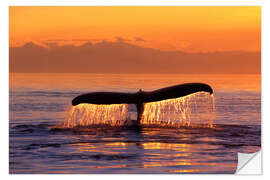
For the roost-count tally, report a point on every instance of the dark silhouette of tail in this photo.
(141, 97)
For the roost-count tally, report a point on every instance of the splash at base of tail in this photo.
(141, 97)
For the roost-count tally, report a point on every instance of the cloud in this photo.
(117, 39)
(110, 57)
(51, 44)
(72, 40)
(184, 44)
(121, 39)
(139, 39)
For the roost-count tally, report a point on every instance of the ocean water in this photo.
(39, 102)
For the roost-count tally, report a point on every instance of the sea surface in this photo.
(40, 102)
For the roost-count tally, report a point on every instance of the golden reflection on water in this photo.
(117, 144)
(110, 148)
(184, 170)
(179, 150)
(169, 146)
(178, 164)
(108, 167)
(174, 156)
(85, 147)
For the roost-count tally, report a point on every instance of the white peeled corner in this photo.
(249, 163)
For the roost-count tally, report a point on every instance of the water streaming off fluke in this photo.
(192, 110)
(91, 114)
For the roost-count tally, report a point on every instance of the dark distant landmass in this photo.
(122, 57)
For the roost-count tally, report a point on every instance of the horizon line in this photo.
(124, 42)
(135, 73)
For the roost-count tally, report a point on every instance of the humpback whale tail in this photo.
(141, 97)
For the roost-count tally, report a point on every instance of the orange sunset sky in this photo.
(180, 39)
(190, 29)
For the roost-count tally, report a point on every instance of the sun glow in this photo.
(186, 28)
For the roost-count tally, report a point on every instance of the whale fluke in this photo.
(141, 97)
